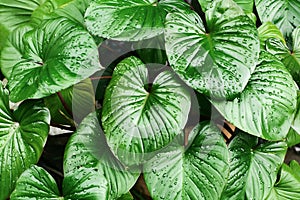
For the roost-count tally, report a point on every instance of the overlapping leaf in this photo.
(140, 117)
(267, 31)
(283, 13)
(23, 134)
(198, 172)
(291, 59)
(287, 188)
(253, 167)
(266, 107)
(60, 52)
(217, 61)
(72, 104)
(130, 20)
(90, 163)
(246, 5)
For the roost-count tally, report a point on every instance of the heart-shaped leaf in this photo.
(287, 187)
(266, 106)
(198, 172)
(59, 51)
(87, 151)
(23, 134)
(217, 61)
(269, 30)
(291, 60)
(130, 20)
(283, 13)
(140, 117)
(253, 167)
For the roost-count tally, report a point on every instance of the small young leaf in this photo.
(198, 172)
(217, 61)
(130, 20)
(292, 138)
(266, 107)
(287, 188)
(23, 135)
(253, 167)
(139, 117)
(60, 52)
(269, 30)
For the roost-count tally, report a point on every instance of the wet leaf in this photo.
(61, 52)
(140, 117)
(287, 188)
(253, 167)
(36, 183)
(291, 59)
(266, 107)
(23, 134)
(87, 150)
(283, 13)
(246, 5)
(217, 61)
(130, 20)
(269, 30)
(196, 172)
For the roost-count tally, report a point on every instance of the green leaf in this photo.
(73, 10)
(13, 49)
(140, 117)
(21, 12)
(59, 51)
(4, 35)
(131, 20)
(268, 30)
(253, 167)
(266, 106)
(292, 138)
(296, 122)
(246, 5)
(291, 60)
(23, 134)
(217, 61)
(283, 13)
(197, 172)
(75, 102)
(36, 183)
(100, 172)
(287, 188)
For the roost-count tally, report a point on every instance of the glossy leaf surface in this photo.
(196, 172)
(269, 30)
(140, 117)
(291, 59)
(23, 134)
(266, 107)
(89, 162)
(36, 183)
(131, 20)
(253, 167)
(59, 51)
(283, 13)
(287, 188)
(217, 61)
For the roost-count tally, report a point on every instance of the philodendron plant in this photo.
(144, 94)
